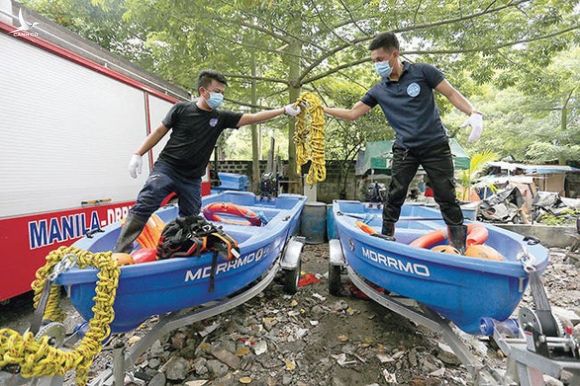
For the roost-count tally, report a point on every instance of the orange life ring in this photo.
(210, 211)
(477, 234)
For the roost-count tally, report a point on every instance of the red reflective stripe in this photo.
(20, 259)
(76, 58)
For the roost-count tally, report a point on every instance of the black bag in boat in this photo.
(191, 235)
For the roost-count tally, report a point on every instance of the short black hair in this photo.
(206, 76)
(386, 40)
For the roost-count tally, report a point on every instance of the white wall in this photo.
(66, 132)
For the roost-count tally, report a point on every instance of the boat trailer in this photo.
(124, 359)
(531, 352)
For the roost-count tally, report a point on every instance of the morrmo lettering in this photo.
(388, 261)
(204, 272)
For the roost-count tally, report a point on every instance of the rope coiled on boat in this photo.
(36, 357)
(309, 137)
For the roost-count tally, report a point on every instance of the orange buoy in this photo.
(151, 233)
(144, 255)
(123, 259)
(366, 228)
(476, 234)
(484, 252)
(446, 249)
(210, 211)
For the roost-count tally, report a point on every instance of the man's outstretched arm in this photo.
(357, 111)
(263, 116)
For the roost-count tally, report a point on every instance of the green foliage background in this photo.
(518, 61)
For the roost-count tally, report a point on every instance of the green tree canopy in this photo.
(278, 48)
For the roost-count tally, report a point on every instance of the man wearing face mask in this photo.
(195, 128)
(405, 94)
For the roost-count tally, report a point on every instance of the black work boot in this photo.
(457, 235)
(129, 233)
(388, 231)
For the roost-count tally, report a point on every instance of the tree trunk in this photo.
(255, 148)
(294, 50)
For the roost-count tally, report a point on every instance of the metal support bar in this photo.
(119, 364)
(526, 364)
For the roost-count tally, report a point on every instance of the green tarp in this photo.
(378, 155)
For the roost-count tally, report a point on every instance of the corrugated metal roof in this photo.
(535, 169)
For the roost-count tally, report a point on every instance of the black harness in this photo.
(192, 235)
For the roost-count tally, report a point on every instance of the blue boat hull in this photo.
(170, 285)
(461, 289)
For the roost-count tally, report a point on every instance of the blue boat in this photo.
(170, 285)
(461, 289)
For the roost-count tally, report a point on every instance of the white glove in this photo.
(475, 120)
(135, 165)
(291, 110)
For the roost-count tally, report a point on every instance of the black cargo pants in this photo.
(438, 163)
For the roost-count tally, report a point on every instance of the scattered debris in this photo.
(315, 338)
(227, 357)
(341, 360)
(290, 364)
(260, 348)
(438, 373)
(199, 382)
(384, 358)
(319, 297)
(177, 369)
(308, 279)
(208, 330)
(132, 340)
(389, 377)
(447, 355)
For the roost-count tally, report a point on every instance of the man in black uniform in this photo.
(405, 94)
(195, 127)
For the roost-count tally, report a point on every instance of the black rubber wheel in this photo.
(334, 283)
(291, 277)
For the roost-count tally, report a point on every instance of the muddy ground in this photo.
(311, 338)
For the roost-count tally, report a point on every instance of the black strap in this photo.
(214, 260)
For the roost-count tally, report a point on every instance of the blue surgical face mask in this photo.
(384, 69)
(215, 100)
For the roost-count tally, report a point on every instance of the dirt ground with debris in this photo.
(311, 338)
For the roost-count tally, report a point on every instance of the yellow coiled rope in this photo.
(37, 358)
(309, 137)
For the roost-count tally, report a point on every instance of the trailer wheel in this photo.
(334, 283)
(291, 278)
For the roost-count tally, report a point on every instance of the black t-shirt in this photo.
(193, 136)
(409, 105)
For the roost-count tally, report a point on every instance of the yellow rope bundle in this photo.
(37, 358)
(309, 137)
